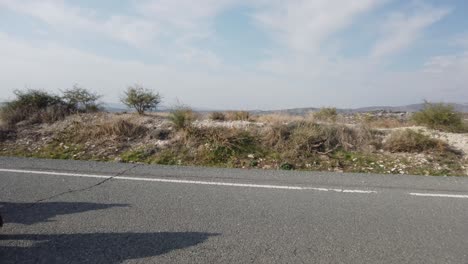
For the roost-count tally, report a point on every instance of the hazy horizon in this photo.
(240, 54)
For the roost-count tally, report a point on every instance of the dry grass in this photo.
(217, 116)
(277, 119)
(238, 116)
(216, 145)
(411, 141)
(327, 114)
(387, 122)
(182, 117)
(310, 138)
(116, 128)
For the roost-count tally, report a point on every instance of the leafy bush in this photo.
(238, 116)
(35, 106)
(287, 166)
(326, 114)
(81, 99)
(217, 116)
(141, 99)
(412, 141)
(182, 117)
(441, 117)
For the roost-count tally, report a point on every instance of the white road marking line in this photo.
(264, 186)
(440, 195)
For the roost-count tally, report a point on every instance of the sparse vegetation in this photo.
(441, 117)
(141, 99)
(367, 143)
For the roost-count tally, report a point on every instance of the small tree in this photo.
(141, 99)
(81, 99)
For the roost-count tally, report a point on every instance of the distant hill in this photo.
(406, 108)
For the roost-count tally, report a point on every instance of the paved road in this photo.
(87, 212)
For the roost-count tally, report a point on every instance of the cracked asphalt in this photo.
(90, 212)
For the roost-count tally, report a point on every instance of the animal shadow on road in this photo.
(33, 213)
(95, 248)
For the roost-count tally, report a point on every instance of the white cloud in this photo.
(454, 64)
(183, 14)
(460, 40)
(62, 16)
(401, 29)
(304, 24)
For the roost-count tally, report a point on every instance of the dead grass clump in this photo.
(217, 116)
(219, 145)
(120, 128)
(328, 114)
(386, 123)
(115, 128)
(238, 116)
(279, 118)
(304, 138)
(182, 117)
(411, 141)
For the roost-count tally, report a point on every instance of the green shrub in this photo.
(287, 166)
(182, 117)
(217, 116)
(412, 141)
(141, 99)
(326, 114)
(35, 106)
(81, 99)
(441, 117)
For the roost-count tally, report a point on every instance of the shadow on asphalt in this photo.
(94, 248)
(33, 213)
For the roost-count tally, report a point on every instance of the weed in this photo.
(287, 166)
(182, 117)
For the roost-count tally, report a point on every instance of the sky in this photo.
(240, 54)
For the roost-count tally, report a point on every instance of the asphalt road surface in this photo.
(88, 212)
